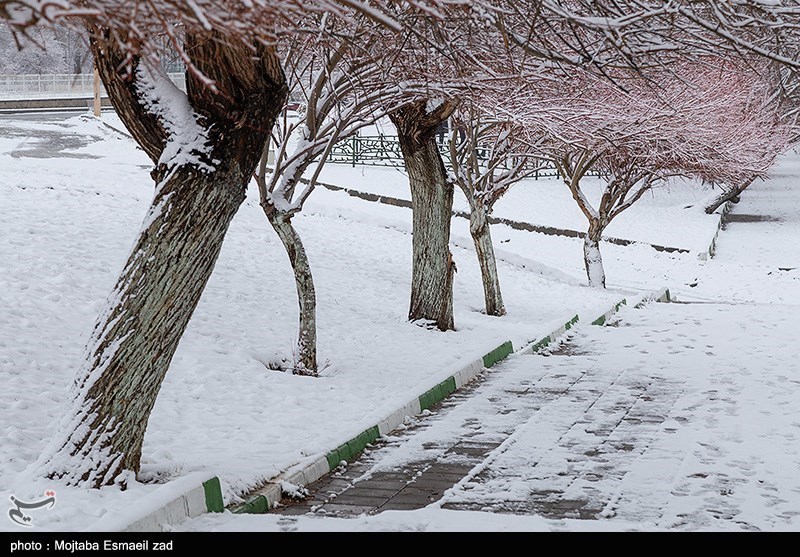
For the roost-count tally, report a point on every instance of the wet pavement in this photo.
(590, 429)
(44, 141)
(363, 488)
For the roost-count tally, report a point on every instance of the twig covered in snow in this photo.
(714, 119)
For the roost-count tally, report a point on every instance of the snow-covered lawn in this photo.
(68, 224)
(70, 219)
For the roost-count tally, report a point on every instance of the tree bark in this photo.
(306, 360)
(431, 205)
(481, 235)
(726, 195)
(99, 442)
(592, 257)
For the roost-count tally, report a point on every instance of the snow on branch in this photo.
(715, 119)
(486, 158)
(187, 139)
(340, 87)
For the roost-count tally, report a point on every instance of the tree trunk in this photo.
(726, 195)
(306, 360)
(591, 256)
(100, 441)
(482, 237)
(431, 204)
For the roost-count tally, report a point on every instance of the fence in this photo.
(384, 150)
(44, 86)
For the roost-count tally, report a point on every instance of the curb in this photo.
(513, 224)
(188, 497)
(182, 499)
(712, 248)
(310, 471)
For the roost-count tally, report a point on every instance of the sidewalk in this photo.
(679, 416)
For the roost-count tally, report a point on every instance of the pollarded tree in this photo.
(433, 267)
(486, 160)
(710, 119)
(451, 57)
(201, 145)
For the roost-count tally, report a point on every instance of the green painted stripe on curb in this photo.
(437, 393)
(568, 325)
(499, 353)
(257, 505)
(351, 449)
(448, 386)
(600, 320)
(213, 492)
(541, 345)
(333, 460)
(344, 452)
(427, 399)
(624, 302)
(370, 436)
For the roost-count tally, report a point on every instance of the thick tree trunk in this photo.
(100, 440)
(482, 237)
(591, 256)
(306, 363)
(431, 204)
(135, 340)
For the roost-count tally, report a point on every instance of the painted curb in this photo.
(193, 495)
(205, 498)
(317, 467)
(195, 500)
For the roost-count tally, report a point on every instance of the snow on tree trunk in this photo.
(482, 237)
(728, 194)
(306, 360)
(432, 204)
(592, 257)
(99, 442)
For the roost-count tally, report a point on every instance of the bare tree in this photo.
(713, 119)
(485, 162)
(775, 117)
(201, 145)
(433, 267)
(340, 85)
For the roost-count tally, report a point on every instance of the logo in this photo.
(18, 515)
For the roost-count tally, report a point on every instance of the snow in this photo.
(187, 139)
(70, 219)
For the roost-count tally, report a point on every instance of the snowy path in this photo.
(682, 416)
(695, 425)
(673, 418)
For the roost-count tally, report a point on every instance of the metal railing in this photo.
(384, 150)
(52, 86)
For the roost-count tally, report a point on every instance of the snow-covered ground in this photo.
(73, 196)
